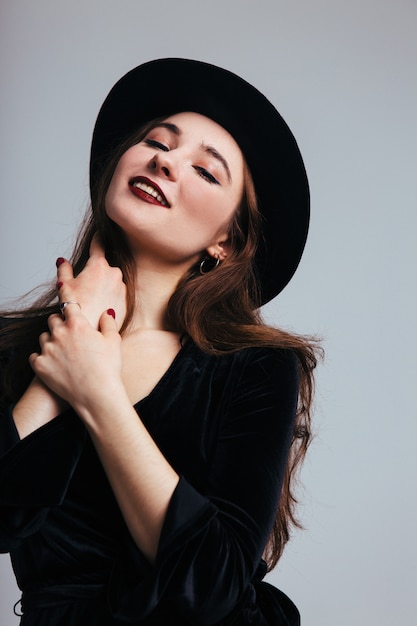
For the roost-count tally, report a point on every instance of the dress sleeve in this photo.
(34, 473)
(212, 542)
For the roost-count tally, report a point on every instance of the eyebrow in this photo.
(216, 154)
(173, 128)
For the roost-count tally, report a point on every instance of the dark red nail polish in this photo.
(111, 312)
(59, 284)
(60, 260)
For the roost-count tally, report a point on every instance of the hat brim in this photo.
(167, 86)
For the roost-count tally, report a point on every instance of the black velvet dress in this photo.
(225, 425)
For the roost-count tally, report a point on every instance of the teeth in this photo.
(151, 191)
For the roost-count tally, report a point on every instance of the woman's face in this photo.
(175, 192)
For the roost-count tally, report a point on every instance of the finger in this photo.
(66, 297)
(70, 309)
(96, 247)
(43, 339)
(64, 272)
(32, 360)
(54, 320)
(107, 322)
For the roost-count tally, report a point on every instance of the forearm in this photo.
(84, 366)
(141, 478)
(36, 407)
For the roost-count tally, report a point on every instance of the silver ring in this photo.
(63, 305)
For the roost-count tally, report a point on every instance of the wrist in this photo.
(100, 408)
(38, 406)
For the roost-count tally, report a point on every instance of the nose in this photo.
(165, 164)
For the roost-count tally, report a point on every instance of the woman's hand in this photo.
(97, 287)
(78, 363)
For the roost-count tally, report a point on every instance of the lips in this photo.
(147, 190)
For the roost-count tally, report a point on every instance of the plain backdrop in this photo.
(343, 75)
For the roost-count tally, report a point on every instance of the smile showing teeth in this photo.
(151, 191)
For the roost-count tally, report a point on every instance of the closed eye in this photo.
(201, 171)
(156, 144)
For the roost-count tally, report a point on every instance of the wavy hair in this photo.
(218, 310)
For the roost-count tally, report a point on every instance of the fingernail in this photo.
(111, 312)
(59, 284)
(60, 260)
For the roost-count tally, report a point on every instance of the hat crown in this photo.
(266, 141)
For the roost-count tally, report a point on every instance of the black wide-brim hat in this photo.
(167, 86)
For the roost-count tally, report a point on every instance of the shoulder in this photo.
(258, 366)
(270, 371)
(258, 390)
(270, 360)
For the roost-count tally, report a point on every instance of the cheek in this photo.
(109, 199)
(210, 209)
(119, 171)
(114, 189)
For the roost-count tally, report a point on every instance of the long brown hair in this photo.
(218, 310)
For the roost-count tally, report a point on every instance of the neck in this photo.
(155, 284)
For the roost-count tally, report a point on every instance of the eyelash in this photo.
(156, 144)
(201, 171)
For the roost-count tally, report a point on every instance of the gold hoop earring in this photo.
(212, 267)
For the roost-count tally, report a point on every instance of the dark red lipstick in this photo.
(149, 191)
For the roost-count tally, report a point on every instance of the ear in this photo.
(220, 250)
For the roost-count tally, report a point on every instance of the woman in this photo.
(152, 427)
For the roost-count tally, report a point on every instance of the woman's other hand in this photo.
(97, 287)
(78, 362)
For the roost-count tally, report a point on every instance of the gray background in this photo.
(343, 74)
